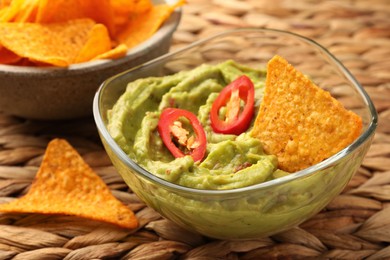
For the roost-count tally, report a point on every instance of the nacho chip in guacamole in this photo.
(299, 122)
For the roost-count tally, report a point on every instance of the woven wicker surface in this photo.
(356, 225)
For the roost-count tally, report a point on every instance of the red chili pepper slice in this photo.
(237, 118)
(178, 139)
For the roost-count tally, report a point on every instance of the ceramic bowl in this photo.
(67, 93)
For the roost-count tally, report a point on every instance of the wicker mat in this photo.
(356, 225)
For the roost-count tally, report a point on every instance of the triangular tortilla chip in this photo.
(141, 26)
(8, 57)
(10, 10)
(55, 11)
(299, 122)
(27, 12)
(56, 43)
(98, 42)
(65, 184)
(123, 9)
(117, 52)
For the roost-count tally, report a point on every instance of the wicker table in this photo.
(356, 225)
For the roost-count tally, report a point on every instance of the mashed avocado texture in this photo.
(230, 162)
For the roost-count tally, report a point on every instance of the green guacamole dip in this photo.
(230, 162)
(249, 213)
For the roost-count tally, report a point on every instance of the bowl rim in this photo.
(364, 136)
(167, 28)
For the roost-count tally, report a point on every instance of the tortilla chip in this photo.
(117, 52)
(101, 12)
(99, 42)
(54, 11)
(142, 6)
(62, 41)
(123, 9)
(5, 3)
(9, 10)
(65, 184)
(27, 12)
(299, 122)
(8, 57)
(18, 10)
(143, 25)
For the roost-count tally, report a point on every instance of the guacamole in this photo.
(231, 161)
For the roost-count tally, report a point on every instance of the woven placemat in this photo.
(356, 225)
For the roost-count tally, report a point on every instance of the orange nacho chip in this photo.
(62, 41)
(124, 9)
(65, 184)
(19, 11)
(299, 122)
(98, 42)
(27, 12)
(8, 57)
(53, 11)
(143, 25)
(9, 10)
(117, 52)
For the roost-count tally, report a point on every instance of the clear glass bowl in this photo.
(262, 209)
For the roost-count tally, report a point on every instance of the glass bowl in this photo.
(265, 208)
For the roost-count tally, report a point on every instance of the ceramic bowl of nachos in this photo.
(52, 61)
(242, 135)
